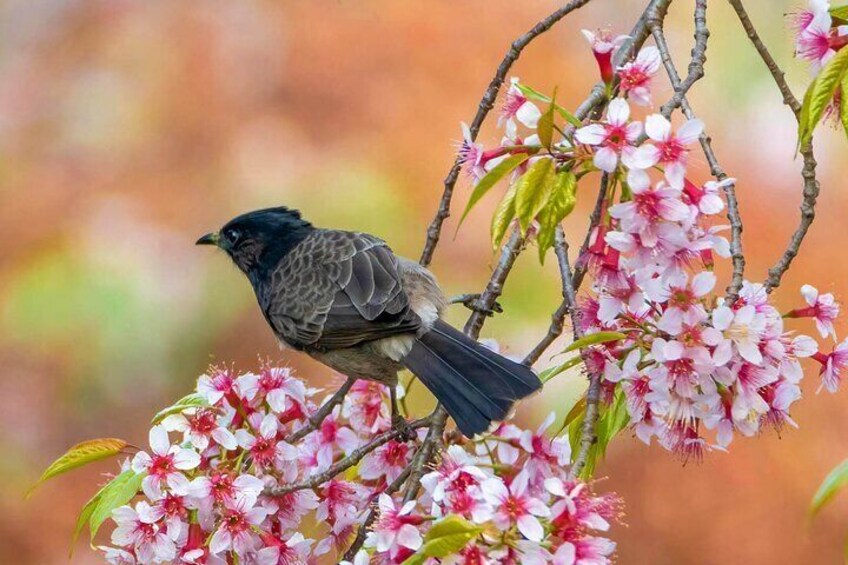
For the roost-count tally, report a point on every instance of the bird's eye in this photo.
(232, 235)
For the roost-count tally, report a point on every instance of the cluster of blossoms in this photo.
(686, 359)
(222, 485)
(515, 488)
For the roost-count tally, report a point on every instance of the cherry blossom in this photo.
(516, 106)
(821, 307)
(165, 464)
(514, 506)
(615, 138)
(149, 542)
(669, 149)
(604, 46)
(199, 426)
(396, 528)
(635, 76)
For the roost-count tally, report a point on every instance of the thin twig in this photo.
(696, 69)
(372, 515)
(808, 172)
(347, 462)
(321, 414)
(776, 72)
(565, 308)
(808, 214)
(485, 106)
(696, 63)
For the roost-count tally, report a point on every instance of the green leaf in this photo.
(534, 94)
(560, 204)
(85, 514)
(118, 492)
(447, 536)
(545, 127)
(188, 401)
(79, 455)
(504, 214)
(551, 372)
(612, 420)
(833, 483)
(840, 12)
(819, 94)
(491, 179)
(594, 339)
(532, 192)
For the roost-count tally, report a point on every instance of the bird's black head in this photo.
(256, 241)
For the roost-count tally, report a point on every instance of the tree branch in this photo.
(321, 414)
(808, 172)
(696, 71)
(486, 104)
(347, 462)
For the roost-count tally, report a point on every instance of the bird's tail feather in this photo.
(476, 385)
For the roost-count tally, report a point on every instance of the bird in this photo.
(345, 299)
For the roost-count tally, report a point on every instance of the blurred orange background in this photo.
(129, 128)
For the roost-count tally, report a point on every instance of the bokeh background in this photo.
(128, 128)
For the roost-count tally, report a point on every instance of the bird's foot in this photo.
(400, 425)
(472, 302)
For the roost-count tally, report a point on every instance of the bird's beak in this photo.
(208, 239)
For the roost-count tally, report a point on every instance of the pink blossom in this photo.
(149, 542)
(292, 551)
(614, 138)
(388, 460)
(215, 386)
(164, 465)
(833, 365)
(235, 531)
(513, 506)
(340, 501)
(682, 300)
(604, 46)
(223, 487)
(172, 509)
(635, 76)
(650, 206)
(367, 411)
(396, 528)
(517, 106)
(199, 426)
(743, 328)
(329, 437)
(707, 198)
(821, 307)
(265, 449)
(669, 149)
(814, 37)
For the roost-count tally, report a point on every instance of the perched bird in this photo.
(346, 300)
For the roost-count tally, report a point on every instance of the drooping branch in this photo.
(349, 461)
(696, 71)
(808, 171)
(776, 72)
(321, 414)
(485, 106)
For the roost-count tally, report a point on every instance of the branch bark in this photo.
(808, 172)
(696, 71)
(486, 104)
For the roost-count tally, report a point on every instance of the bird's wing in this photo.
(337, 289)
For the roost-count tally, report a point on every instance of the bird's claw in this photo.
(400, 425)
(472, 302)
